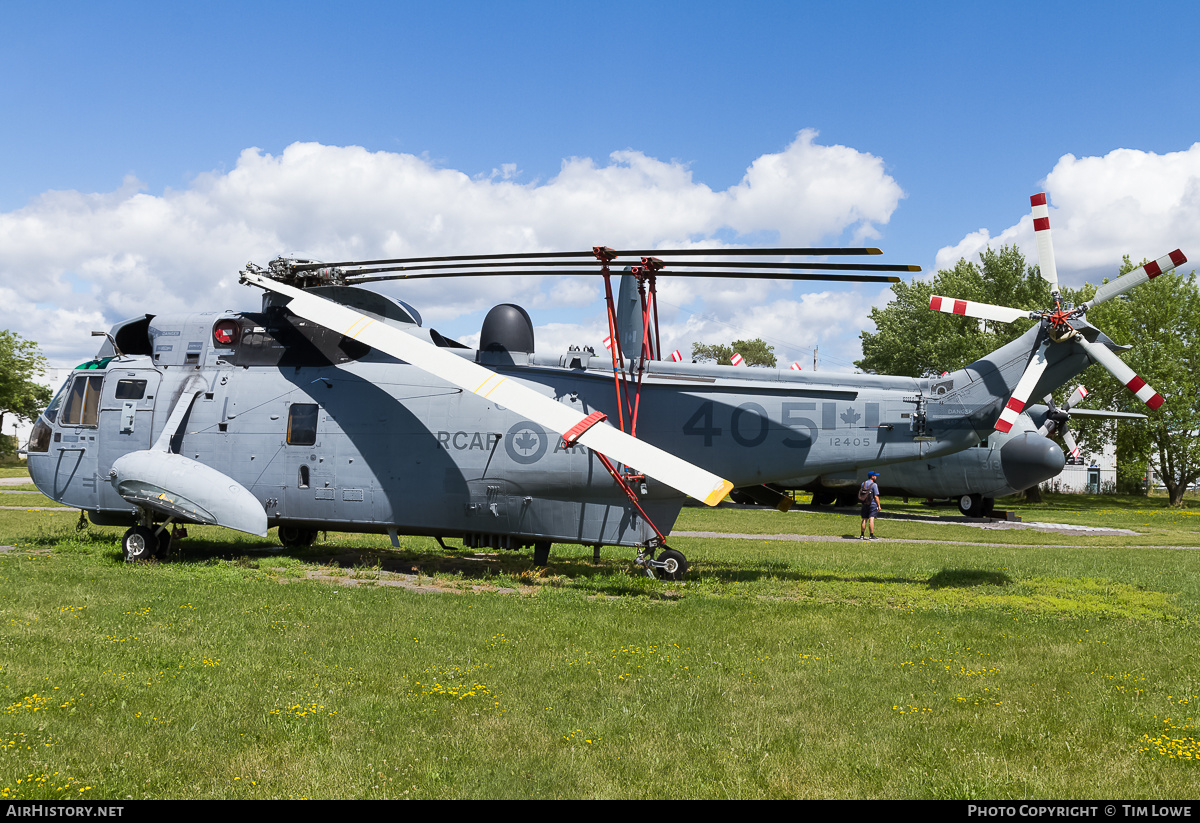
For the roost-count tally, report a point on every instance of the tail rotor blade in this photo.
(969, 308)
(1126, 376)
(1134, 278)
(1076, 398)
(1041, 233)
(1069, 441)
(1020, 395)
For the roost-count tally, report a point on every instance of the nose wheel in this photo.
(670, 564)
(146, 541)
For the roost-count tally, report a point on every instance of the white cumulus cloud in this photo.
(1101, 208)
(75, 261)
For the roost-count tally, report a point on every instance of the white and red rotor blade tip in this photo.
(1041, 233)
(969, 308)
(1076, 397)
(1126, 376)
(1020, 395)
(1135, 278)
(1069, 441)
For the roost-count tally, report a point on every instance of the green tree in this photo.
(755, 352)
(912, 341)
(1160, 319)
(20, 360)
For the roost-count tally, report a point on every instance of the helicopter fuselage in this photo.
(328, 434)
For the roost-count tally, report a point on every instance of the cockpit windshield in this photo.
(82, 402)
(51, 411)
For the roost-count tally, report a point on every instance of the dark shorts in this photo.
(869, 509)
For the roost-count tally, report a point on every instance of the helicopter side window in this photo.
(302, 424)
(130, 389)
(82, 402)
(39, 438)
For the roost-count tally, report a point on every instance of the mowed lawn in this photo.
(945, 661)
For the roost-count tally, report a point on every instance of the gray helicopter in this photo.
(334, 408)
(1000, 465)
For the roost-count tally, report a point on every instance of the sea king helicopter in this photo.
(333, 408)
(972, 478)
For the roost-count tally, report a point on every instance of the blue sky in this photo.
(129, 187)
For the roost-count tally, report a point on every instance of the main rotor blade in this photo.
(1126, 376)
(354, 279)
(667, 468)
(1041, 232)
(1134, 278)
(794, 252)
(1016, 403)
(674, 266)
(969, 308)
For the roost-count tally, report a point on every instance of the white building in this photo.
(1094, 474)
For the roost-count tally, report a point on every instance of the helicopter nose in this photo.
(1029, 458)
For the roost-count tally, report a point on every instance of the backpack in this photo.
(863, 493)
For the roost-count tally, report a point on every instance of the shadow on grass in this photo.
(613, 576)
(965, 578)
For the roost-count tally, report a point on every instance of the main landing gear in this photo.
(296, 537)
(976, 505)
(670, 565)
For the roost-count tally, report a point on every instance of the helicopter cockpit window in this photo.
(39, 438)
(130, 389)
(51, 411)
(82, 402)
(302, 424)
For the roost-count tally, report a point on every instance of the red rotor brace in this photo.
(627, 407)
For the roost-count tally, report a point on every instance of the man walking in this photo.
(868, 493)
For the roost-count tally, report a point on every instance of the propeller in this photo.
(1059, 416)
(1059, 324)
(588, 430)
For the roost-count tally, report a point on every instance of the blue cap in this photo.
(872, 474)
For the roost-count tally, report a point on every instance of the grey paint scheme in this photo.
(1001, 465)
(398, 449)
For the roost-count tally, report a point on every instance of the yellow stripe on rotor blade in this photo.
(719, 494)
(361, 323)
(495, 380)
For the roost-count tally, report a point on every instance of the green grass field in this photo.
(1008, 664)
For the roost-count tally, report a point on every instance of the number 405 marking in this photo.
(749, 424)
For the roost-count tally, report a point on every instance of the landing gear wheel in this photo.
(847, 501)
(541, 552)
(675, 565)
(295, 537)
(821, 497)
(989, 506)
(139, 543)
(163, 549)
(971, 505)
